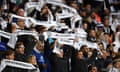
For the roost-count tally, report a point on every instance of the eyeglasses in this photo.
(21, 47)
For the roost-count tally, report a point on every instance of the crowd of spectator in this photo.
(102, 33)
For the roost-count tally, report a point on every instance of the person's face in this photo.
(21, 24)
(89, 19)
(74, 5)
(94, 69)
(45, 10)
(11, 56)
(86, 49)
(21, 49)
(101, 46)
(111, 47)
(83, 13)
(106, 37)
(106, 12)
(85, 26)
(93, 33)
(20, 12)
(88, 7)
(104, 54)
(117, 65)
(93, 14)
(89, 54)
(40, 46)
(106, 22)
(33, 60)
(80, 55)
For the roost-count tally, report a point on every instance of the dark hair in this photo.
(82, 47)
(18, 44)
(90, 67)
(39, 28)
(89, 31)
(79, 51)
(9, 52)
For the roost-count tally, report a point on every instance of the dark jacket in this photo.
(108, 30)
(58, 64)
(80, 66)
(20, 57)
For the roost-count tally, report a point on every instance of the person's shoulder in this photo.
(33, 52)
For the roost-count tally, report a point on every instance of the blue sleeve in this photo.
(41, 60)
(39, 57)
(14, 20)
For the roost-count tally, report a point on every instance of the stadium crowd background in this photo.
(101, 27)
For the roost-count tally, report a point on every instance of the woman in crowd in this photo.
(32, 59)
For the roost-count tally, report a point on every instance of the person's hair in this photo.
(19, 9)
(18, 44)
(39, 28)
(91, 30)
(79, 51)
(82, 47)
(29, 58)
(90, 67)
(9, 52)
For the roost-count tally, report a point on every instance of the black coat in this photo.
(58, 64)
(108, 30)
(80, 66)
(20, 57)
